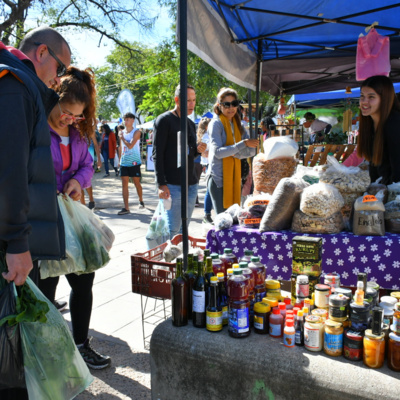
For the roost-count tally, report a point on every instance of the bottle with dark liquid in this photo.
(179, 296)
(206, 253)
(217, 264)
(247, 256)
(199, 298)
(209, 273)
(214, 309)
(223, 298)
(190, 277)
(228, 259)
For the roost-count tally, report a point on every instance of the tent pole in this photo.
(258, 84)
(250, 113)
(183, 106)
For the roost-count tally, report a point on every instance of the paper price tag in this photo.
(251, 221)
(367, 198)
(258, 202)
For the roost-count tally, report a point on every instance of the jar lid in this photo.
(262, 307)
(319, 312)
(347, 292)
(227, 250)
(389, 300)
(302, 278)
(397, 307)
(271, 302)
(272, 284)
(354, 335)
(313, 319)
(214, 279)
(214, 256)
(372, 292)
(332, 275)
(243, 264)
(322, 288)
(333, 324)
(360, 308)
(339, 300)
(369, 334)
(394, 336)
(396, 295)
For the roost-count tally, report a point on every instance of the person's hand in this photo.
(251, 143)
(163, 192)
(99, 163)
(73, 189)
(201, 147)
(19, 266)
(205, 154)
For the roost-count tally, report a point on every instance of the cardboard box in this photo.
(307, 255)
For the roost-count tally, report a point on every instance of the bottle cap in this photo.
(305, 310)
(271, 302)
(220, 274)
(296, 310)
(311, 302)
(360, 285)
(214, 279)
(300, 313)
(255, 259)
(229, 271)
(214, 256)
(248, 252)
(243, 264)
(237, 271)
(289, 312)
(262, 307)
(287, 300)
(272, 284)
(302, 279)
(235, 266)
(227, 251)
(276, 310)
(289, 322)
(282, 306)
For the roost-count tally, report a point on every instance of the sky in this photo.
(85, 45)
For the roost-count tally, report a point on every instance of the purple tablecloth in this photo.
(345, 253)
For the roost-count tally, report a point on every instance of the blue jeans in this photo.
(174, 213)
(105, 155)
(207, 203)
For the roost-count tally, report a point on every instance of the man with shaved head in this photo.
(30, 225)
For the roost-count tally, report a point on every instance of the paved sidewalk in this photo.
(116, 322)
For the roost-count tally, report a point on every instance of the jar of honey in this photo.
(393, 360)
(333, 338)
(374, 349)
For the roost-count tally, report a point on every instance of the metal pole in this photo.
(259, 58)
(183, 103)
(250, 114)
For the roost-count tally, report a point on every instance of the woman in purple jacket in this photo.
(72, 122)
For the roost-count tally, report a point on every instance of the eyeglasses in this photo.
(74, 118)
(228, 104)
(61, 69)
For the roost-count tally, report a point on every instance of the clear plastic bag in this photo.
(303, 223)
(321, 200)
(368, 203)
(233, 210)
(368, 223)
(284, 202)
(54, 368)
(222, 221)
(309, 174)
(376, 187)
(392, 215)
(158, 231)
(257, 204)
(280, 146)
(171, 251)
(248, 219)
(394, 190)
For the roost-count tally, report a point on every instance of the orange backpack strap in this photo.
(6, 71)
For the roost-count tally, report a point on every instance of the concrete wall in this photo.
(193, 364)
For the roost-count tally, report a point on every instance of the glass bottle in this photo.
(228, 259)
(217, 264)
(359, 295)
(374, 349)
(393, 360)
(223, 298)
(208, 274)
(299, 328)
(199, 298)
(179, 296)
(190, 277)
(214, 310)
(258, 270)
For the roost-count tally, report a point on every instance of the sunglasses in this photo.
(61, 69)
(228, 104)
(69, 116)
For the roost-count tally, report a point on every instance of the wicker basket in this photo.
(152, 277)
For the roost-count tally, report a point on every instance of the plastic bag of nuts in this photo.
(268, 173)
(303, 223)
(321, 200)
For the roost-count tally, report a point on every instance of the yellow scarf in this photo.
(231, 166)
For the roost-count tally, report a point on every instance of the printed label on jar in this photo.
(338, 312)
(302, 290)
(352, 349)
(275, 329)
(259, 296)
(312, 338)
(214, 321)
(199, 301)
(225, 315)
(333, 343)
(288, 339)
(259, 322)
(239, 320)
(298, 337)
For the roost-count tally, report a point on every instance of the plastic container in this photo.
(262, 313)
(322, 293)
(217, 264)
(371, 296)
(374, 349)
(272, 302)
(338, 307)
(248, 273)
(289, 334)
(258, 270)
(313, 333)
(333, 338)
(333, 280)
(275, 323)
(393, 356)
(228, 259)
(320, 312)
(273, 289)
(359, 316)
(282, 309)
(239, 305)
(396, 319)
(247, 256)
(353, 345)
(223, 298)
(302, 286)
(288, 302)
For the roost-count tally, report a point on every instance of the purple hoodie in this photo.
(81, 167)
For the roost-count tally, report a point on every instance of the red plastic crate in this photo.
(152, 277)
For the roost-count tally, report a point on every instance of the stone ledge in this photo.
(192, 363)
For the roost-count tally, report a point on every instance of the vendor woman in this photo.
(229, 142)
(317, 127)
(379, 133)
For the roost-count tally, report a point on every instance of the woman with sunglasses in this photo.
(229, 142)
(71, 124)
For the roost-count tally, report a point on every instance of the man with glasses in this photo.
(165, 155)
(30, 227)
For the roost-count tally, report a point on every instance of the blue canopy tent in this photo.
(207, 114)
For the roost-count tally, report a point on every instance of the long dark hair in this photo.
(107, 129)
(370, 141)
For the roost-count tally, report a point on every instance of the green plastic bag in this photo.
(54, 368)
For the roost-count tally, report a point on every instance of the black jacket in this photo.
(389, 169)
(29, 216)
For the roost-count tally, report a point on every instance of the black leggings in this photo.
(80, 301)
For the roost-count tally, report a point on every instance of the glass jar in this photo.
(262, 312)
(360, 316)
(313, 333)
(333, 338)
(320, 312)
(273, 289)
(302, 286)
(337, 307)
(333, 280)
(396, 295)
(322, 293)
(396, 319)
(393, 359)
(353, 345)
(374, 349)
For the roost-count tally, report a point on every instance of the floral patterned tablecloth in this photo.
(345, 253)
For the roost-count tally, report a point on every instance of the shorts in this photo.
(132, 172)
